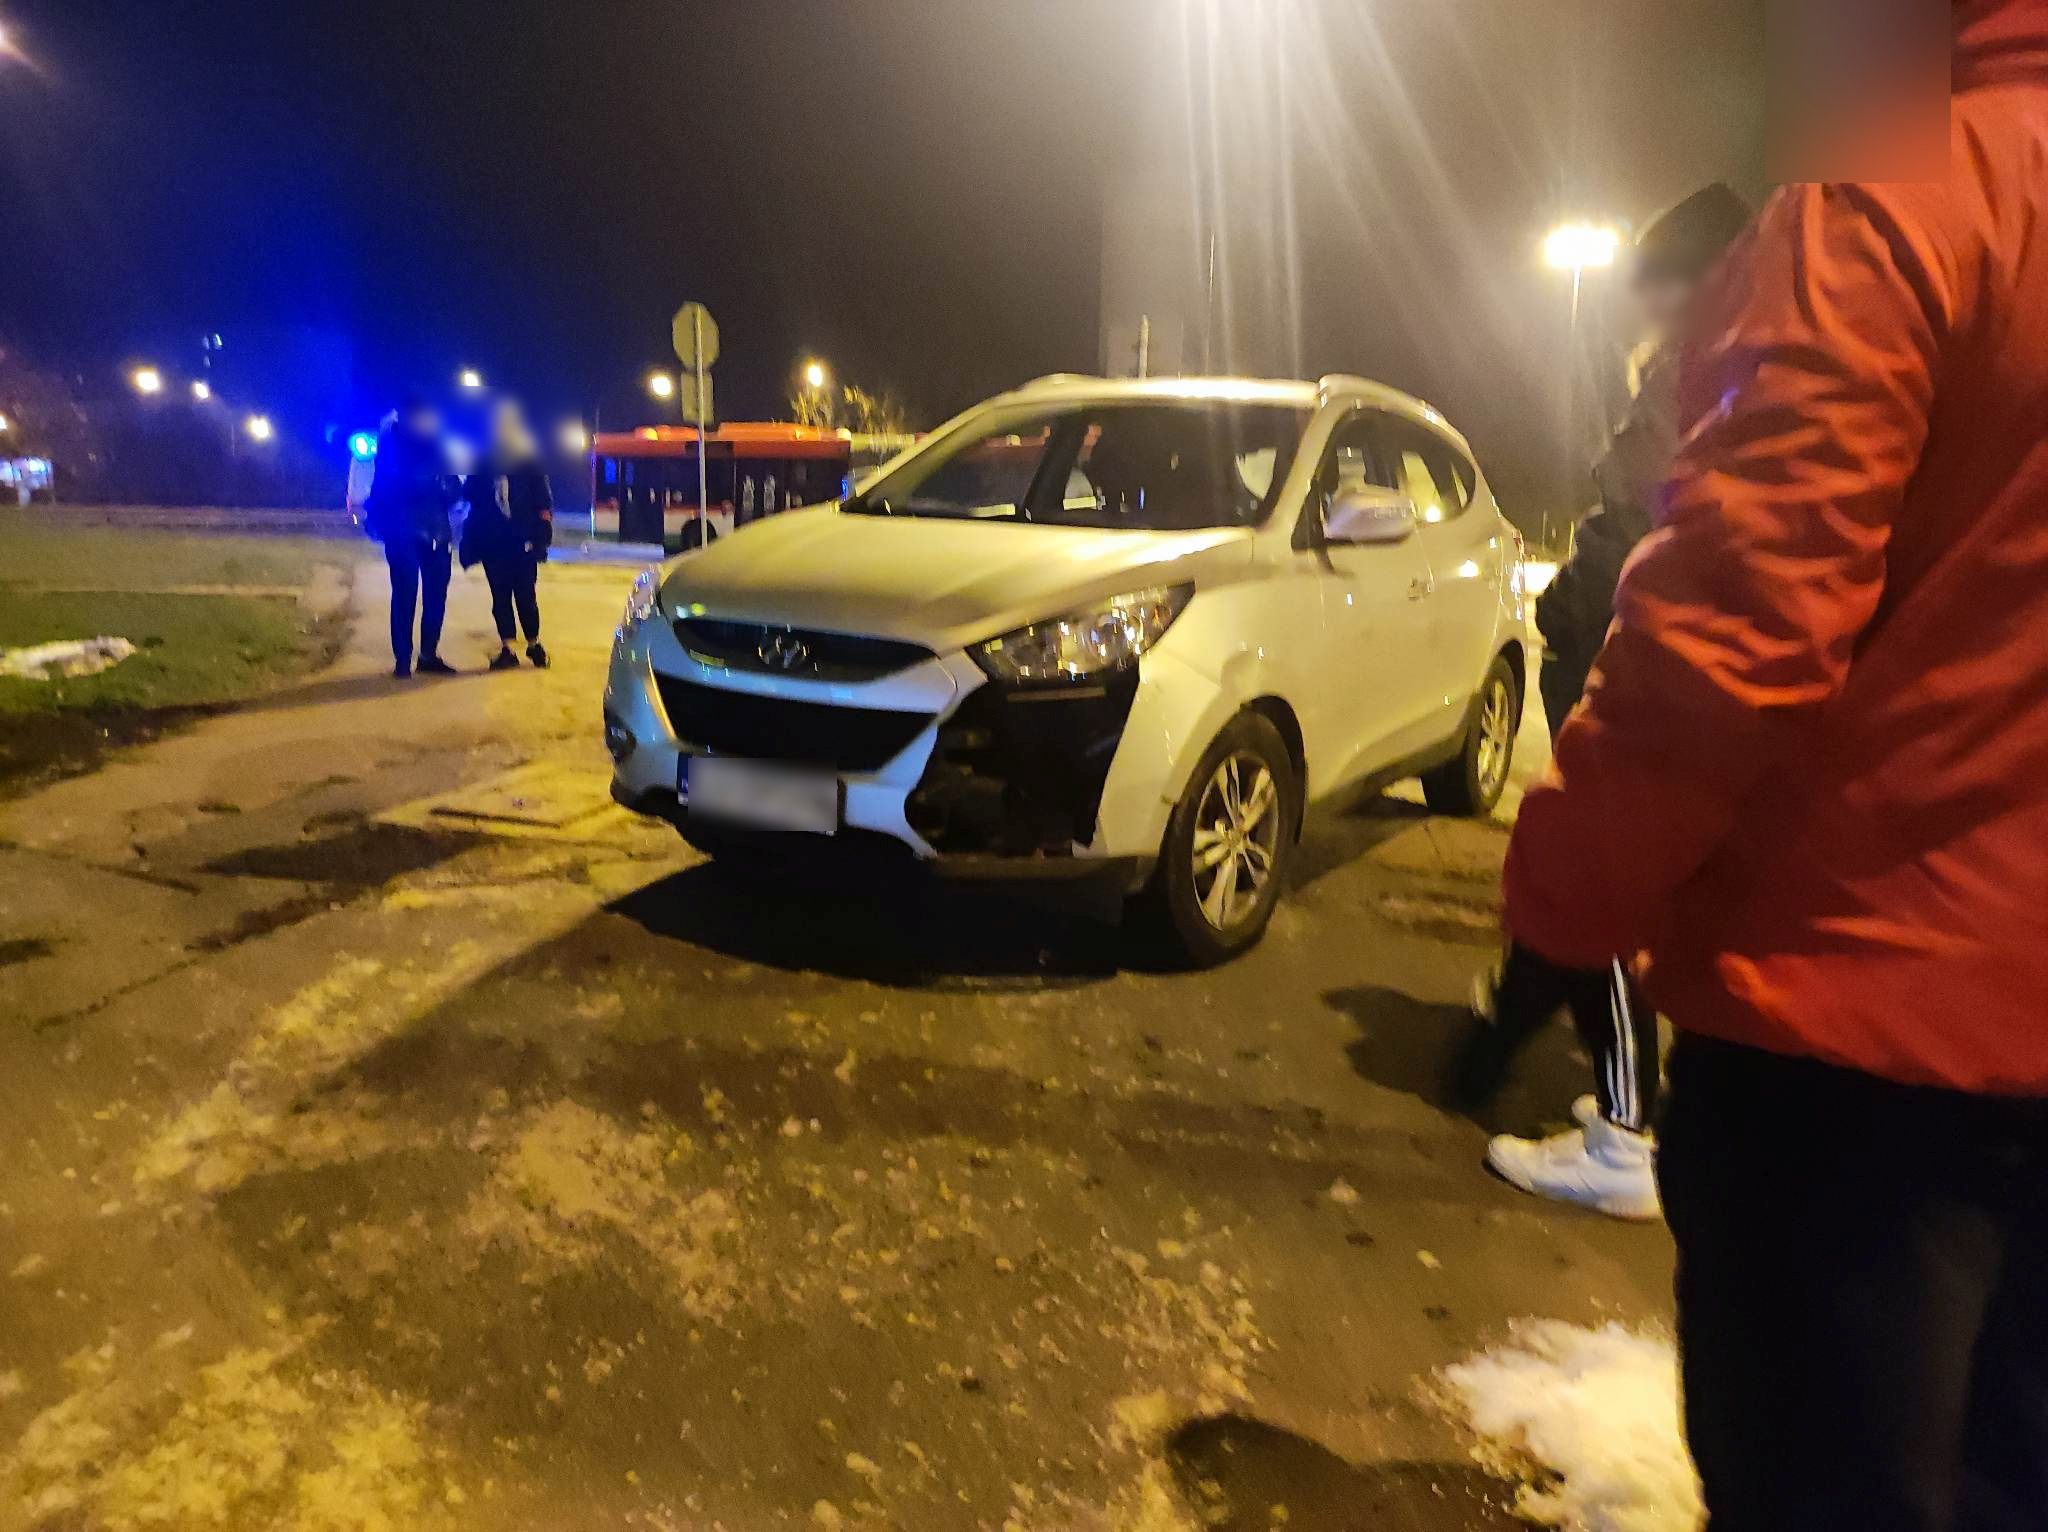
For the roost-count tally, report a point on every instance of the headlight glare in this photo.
(644, 601)
(1105, 637)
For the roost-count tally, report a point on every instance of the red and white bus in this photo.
(644, 482)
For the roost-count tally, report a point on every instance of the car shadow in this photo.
(1238, 1471)
(904, 930)
(1409, 1045)
(1334, 836)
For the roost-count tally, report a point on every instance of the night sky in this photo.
(912, 190)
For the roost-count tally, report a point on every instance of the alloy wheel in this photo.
(1496, 737)
(1236, 839)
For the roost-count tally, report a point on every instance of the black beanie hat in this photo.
(1682, 243)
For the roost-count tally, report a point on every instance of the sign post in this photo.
(695, 336)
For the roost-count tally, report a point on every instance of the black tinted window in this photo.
(1158, 466)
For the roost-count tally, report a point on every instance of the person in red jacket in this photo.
(1810, 780)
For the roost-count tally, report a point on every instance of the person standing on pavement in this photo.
(509, 530)
(1672, 257)
(1810, 778)
(407, 512)
(1605, 1162)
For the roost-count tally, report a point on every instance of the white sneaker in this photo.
(1596, 1165)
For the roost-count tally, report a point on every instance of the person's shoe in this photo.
(1597, 1165)
(434, 665)
(402, 671)
(538, 656)
(505, 659)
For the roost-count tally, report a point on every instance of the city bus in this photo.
(644, 482)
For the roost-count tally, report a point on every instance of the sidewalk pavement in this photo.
(256, 819)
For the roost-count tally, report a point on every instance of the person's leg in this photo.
(1605, 1163)
(434, 573)
(2005, 1443)
(1525, 993)
(1561, 682)
(1619, 1029)
(526, 594)
(1834, 1268)
(405, 583)
(498, 575)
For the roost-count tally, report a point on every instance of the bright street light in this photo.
(259, 428)
(814, 374)
(147, 380)
(661, 385)
(469, 377)
(1580, 246)
(575, 438)
(201, 390)
(5, 423)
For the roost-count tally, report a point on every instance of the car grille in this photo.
(771, 649)
(778, 729)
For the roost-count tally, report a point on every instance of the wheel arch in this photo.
(1518, 661)
(1278, 712)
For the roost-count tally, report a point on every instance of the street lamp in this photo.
(147, 380)
(6, 425)
(661, 385)
(574, 438)
(259, 428)
(814, 374)
(1575, 247)
(469, 377)
(201, 390)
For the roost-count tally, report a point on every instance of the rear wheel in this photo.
(1471, 783)
(1227, 848)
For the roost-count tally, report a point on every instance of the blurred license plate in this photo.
(765, 794)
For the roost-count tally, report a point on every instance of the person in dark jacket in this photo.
(407, 511)
(509, 530)
(1605, 1162)
(1671, 259)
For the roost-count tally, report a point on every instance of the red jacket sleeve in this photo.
(1810, 383)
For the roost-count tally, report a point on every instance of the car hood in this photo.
(937, 582)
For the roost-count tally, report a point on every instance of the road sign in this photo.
(688, 398)
(695, 331)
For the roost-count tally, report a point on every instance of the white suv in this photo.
(1125, 628)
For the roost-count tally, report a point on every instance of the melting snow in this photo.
(65, 658)
(1588, 1420)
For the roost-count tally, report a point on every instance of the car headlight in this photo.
(1105, 637)
(644, 601)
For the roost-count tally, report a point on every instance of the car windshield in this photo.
(1145, 465)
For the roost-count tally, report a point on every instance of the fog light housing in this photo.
(618, 739)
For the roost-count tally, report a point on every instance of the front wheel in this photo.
(1471, 782)
(1227, 848)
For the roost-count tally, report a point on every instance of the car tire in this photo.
(1188, 912)
(1471, 782)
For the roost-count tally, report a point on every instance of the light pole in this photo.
(1577, 247)
(662, 385)
(147, 380)
(470, 378)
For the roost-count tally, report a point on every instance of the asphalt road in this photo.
(400, 1137)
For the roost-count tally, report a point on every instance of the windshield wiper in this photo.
(861, 505)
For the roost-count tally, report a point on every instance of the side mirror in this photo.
(1368, 517)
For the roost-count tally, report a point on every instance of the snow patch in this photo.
(1588, 1420)
(65, 659)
